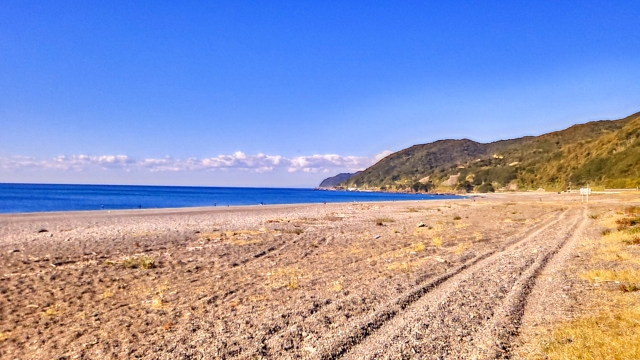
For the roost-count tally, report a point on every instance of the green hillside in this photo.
(600, 153)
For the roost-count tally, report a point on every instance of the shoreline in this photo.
(187, 209)
(200, 209)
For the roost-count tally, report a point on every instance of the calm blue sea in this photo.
(23, 198)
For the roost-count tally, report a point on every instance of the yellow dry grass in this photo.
(285, 277)
(614, 245)
(156, 303)
(418, 247)
(336, 286)
(53, 310)
(612, 333)
(405, 267)
(139, 261)
(216, 235)
(242, 242)
(437, 241)
(356, 249)
(292, 284)
(107, 294)
(609, 221)
(462, 247)
(614, 253)
(601, 275)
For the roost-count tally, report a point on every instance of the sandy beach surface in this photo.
(412, 279)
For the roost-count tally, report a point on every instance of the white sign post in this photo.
(585, 192)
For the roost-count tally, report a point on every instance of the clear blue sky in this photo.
(261, 93)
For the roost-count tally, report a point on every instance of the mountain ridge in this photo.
(333, 181)
(603, 152)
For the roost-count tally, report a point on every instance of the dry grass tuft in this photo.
(156, 303)
(629, 288)
(287, 277)
(460, 225)
(52, 310)
(632, 210)
(107, 294)
(437, 241)
(405, 267)
(418, 247)
(217, 235)
(601, 275)
(249, 241)
(296, 231)
(632, 240)
(143, 262)
(336, 286)
(462, 247)
(626, 222)
(293, 283)
(457, 217)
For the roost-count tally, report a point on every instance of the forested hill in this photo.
(599, 153)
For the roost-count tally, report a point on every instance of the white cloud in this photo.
(382, 155)
(259, 163)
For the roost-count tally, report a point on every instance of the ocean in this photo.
(28, 198)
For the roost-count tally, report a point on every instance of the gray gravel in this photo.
(474, 314)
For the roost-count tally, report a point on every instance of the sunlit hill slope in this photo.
(599, 153)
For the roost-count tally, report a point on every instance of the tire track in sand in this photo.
(335, 344)
(270, 344)
(472, 313)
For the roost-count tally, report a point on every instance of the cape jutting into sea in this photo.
(26, 198)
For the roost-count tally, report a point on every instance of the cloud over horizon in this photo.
(259, 163)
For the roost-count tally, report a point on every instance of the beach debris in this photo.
(13, 251)
(421, 224)
(43, 230)
(439, 259)
(376, 237)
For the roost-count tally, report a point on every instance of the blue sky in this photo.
(287, 93)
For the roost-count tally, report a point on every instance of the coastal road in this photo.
(473, 312)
